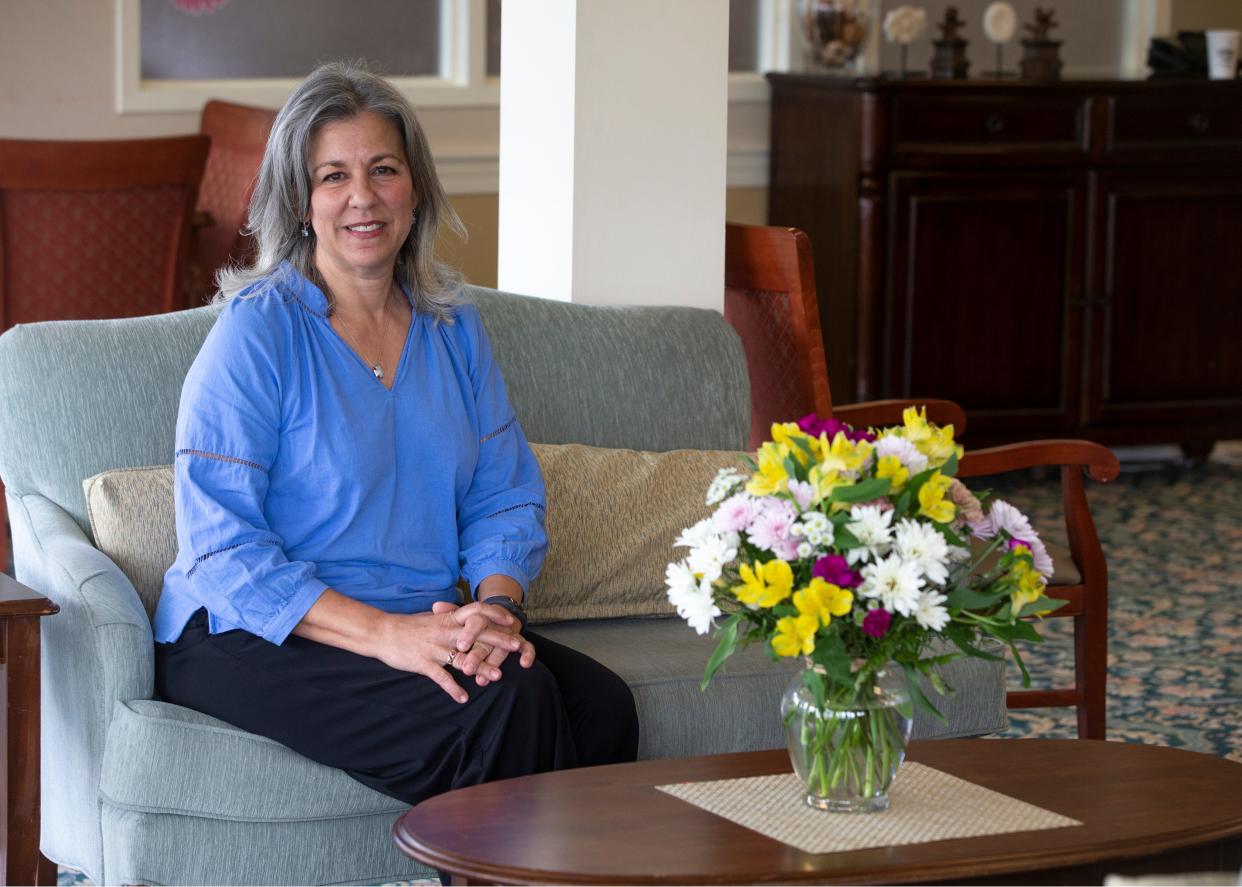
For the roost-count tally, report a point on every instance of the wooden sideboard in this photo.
(1063, 259)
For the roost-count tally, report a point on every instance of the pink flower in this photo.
(876, 622)
(771, 530)
(835, 569)
(735, 514)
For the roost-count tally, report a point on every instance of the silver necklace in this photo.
(377, 367)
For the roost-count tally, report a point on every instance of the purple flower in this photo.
(835, 569)
(876, 622)
(813, 425)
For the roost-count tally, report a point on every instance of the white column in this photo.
(613, 149)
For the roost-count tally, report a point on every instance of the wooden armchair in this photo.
(238, 138)
(94, 230)
(770, 300)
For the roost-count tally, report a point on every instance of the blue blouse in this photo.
(296, 470)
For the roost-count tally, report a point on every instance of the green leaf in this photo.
(961, 636)
(1042, 605)
(970, 599)
(724, 649)
(916, 693)
(949, 536)
(750, 462)
(844, 540)
(871, 488)
(950, 467)
(1017, 631)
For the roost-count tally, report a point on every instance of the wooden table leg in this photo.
(23, 864)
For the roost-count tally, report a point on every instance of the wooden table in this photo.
(1144, 809)
(20, 610)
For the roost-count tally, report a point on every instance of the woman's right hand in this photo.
(430, 643)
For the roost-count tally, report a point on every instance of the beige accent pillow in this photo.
(132, 520)
(612, 518)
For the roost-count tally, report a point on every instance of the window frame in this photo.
(462, 82)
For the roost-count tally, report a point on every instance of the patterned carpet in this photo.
(1172, 535)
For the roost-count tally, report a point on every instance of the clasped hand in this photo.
(474, 639)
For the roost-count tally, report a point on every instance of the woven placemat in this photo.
(927, 805)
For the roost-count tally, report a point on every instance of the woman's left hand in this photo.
(480, 652)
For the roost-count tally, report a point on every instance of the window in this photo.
(210, 39)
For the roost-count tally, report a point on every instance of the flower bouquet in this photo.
(852, 549)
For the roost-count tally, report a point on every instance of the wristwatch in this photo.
(503, 600)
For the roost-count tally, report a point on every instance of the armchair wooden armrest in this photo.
(1086, 602)
(888, 412)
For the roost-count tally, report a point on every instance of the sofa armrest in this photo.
(96, 651)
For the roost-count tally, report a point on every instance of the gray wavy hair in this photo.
(281, 200)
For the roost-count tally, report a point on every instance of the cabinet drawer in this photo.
(1193, 119)
(988, 124)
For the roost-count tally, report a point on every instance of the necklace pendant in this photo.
(378, 370)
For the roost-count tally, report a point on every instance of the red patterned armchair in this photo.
(94, 230)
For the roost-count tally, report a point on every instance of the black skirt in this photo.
(396, 731)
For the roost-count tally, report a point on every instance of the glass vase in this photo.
(848, 752)
(834, 33)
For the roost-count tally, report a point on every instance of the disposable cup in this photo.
(1222, 51)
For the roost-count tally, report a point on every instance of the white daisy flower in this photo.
(699, 608)
(816, 529)
(872, 526)
(724, 483)
(929, 613)
(894, 582)
(708, 560)
(696, 536)
(680, 580)
(923, 544)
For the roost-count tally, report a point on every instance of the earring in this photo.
(305, 229)
(414, 218)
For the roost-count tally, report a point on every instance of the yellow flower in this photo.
(788, 432)
(795, 635)
(843, 454)
(939, 446)
(932, 502)
(917, 428)
(772, 476)
(1030, 585)
(766, 585)
(823, 600)
(823, 482)
(891, 467)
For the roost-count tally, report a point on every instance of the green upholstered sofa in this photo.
(136, 790)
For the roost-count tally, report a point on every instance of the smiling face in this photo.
(362, 196)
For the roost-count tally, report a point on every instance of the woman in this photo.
(345, 453)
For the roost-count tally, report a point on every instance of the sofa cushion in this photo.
(662, 660)
(612, 519)
(131, 517)
(168, 759)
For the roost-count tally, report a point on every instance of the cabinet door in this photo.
(984, 298)
(1166, 294)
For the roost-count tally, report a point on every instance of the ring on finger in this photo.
(451, 656)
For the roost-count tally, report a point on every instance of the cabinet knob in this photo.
(1199, 122)
(994, 124)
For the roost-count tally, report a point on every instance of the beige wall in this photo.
(1202, 15)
